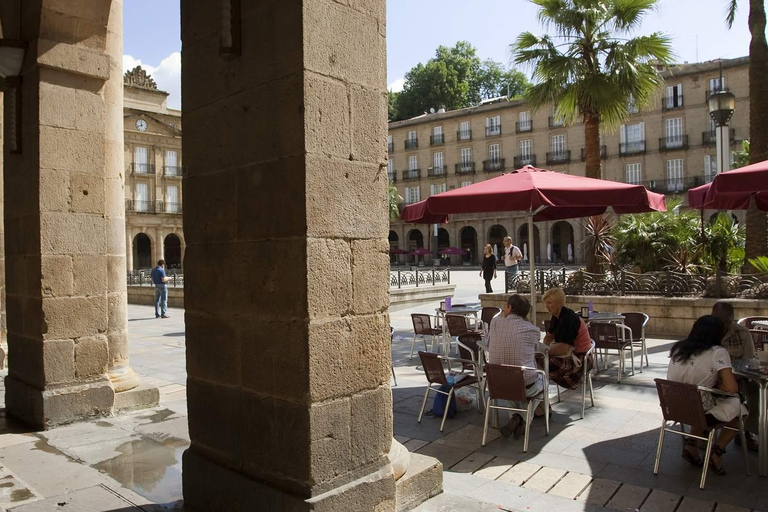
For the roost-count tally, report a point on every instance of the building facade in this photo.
(153, 192)
(668, 147)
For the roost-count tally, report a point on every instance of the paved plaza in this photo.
(604, 462)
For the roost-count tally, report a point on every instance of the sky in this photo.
(415, 28)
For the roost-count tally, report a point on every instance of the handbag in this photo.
(438, 405)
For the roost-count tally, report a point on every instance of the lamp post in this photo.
(11, 60)
(721, 106)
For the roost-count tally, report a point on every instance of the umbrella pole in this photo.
(532, 245)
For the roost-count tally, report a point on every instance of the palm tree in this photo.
(757, 223)
(393, 198)
(590, 71)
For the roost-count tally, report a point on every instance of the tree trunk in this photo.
(592, 146)
(757, 224)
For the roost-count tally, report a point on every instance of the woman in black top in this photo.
(489, 268)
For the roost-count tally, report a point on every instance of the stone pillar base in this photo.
(123, 379)
(211, 487)
(56, 405)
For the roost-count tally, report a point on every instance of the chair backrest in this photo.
(457, 324)
(421, 323)
(636, 322)
(747, 321)
(505, 382)
(590, 353)
(682, 403)
(469, 349)
(760, 338)
(433, 368)
(605, 335)
(487, 314)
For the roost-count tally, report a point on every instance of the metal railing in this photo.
(555, 122)
(390, 147)
(675, 185)
(412, 174)
(632, 148)
(522, 161)
(138, 206)
(493, 131)
(465, 168)
(671, 102)
(419, 277)
(493, 165)
(392, 175)
(143, 277)
(523, 126)
(466, 135)
(171, 170)
(440, 170)
(174, 208)
(603, 153)
(674, 142)
(559, 157)
(709, 138)
(436, 140)
(411, 143)
(142, 168)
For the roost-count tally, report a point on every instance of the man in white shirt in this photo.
(512, 255)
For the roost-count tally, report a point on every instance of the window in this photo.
(675, 175)
(556, 120)
(558, 144)
(464, 132)
(390, 144)
(171, 163)
(524, 121)
(716, 86)
(710, 168)
(494, 153)
(413, 162)
(466, 156)
(437, 163)
(437, 135)
(673, 97)
(466, 183)
(391, 170)
(412, 141)
(412, 195)
(631, 105)
(412, 135)
(525, 149)
(674, 132)
(172, 199)
(141, 159)
(142, 197)
(437, 189)
(493, 125)
(634, 173)
(632, 138)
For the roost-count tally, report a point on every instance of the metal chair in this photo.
(609, 336)
(486, 315)
(747, 321)
(682, 403)
(507, 382)
(435, 373)
(759, 338)
(392, 342)
(472, 360)
(637, 322)
(457, 326)
(586, 379)
(422, 326)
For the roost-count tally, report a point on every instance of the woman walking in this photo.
(489, 267)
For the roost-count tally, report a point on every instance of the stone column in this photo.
(128, 249)
(301, 421)
(544, 235)
(66, 258)
(578, 240)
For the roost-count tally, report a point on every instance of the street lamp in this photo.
(12, 53)
(721, 106)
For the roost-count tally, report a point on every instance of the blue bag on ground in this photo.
(438, 405)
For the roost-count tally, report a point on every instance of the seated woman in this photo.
(700, 360)
(568, 340)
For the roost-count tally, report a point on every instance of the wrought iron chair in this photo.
(507, 382)
(748, 321)
(435, 373)
(682, 403)
(609, 336)
(392, 342)
(637, 322)
(759, 338)
(422, 326)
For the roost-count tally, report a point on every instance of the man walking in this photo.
(159, 279)
(512, 255)
(513, 340)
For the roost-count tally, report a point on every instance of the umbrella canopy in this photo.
(452, 250)
(421, 251)
(418, 214)
(548, 195)
(397, 250)
(732, 190)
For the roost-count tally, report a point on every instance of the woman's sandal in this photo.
(716, 450)
(688, 456)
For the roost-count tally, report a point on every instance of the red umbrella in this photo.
(398, 251)
(421, 251)
(732, 190)
(452, 250)
(418, 214)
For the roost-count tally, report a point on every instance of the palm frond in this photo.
(730, 12)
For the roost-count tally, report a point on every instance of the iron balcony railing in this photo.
(412, 174)
(559, 157)
(171, 170)
(436, 140)
(392, 176)
(174, 208)
(493, 165)
(671, 102)
(675, 185)
(555, 122)
(138, 168)
(603, 153)
(464, 135)
(390, 147)
(143, 277)
(523, 160)
(709, 138)
(675, 142)
(411, 143)
(523, 126)
(139, 206)
(440, 170)
(419, 277)
(465, 168)
(493, 131)
(632, 148)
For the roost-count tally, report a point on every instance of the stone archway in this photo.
(394, 243)
(523, 237)
(172, 251)
(468, 236)
(496, 238)
(562, 240)
(415, 241)
(142, 252)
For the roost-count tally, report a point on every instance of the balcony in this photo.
(413, 174)
(411, 143)
(671, 102)
(436, 140)
(675, 185)
(171, 170)
(493, 131)
(496, 165)
(556, 122)
(709, 138)
(173, 208)
(438, 171)
(559, 157)
(675, 142)
(138, 206)
(523, 126)
(707, 94)
(603, 153)
(632, 148)
(390, 147)
(465, 168)
(523, 160)
(142, 168)
(392, 175)
(464, 135)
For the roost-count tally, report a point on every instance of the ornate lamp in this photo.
(12, 53)
(721, 106)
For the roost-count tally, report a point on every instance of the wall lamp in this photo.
(12, 52)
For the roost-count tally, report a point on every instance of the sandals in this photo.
(716, 450)
(688, 456)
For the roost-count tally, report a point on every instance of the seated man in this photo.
(513, 340)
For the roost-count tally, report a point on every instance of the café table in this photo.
(760, 377)
(464, 310)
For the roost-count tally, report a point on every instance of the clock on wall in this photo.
(141, 125)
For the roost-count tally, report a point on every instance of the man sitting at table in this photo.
(738, 342)
(513, 340)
